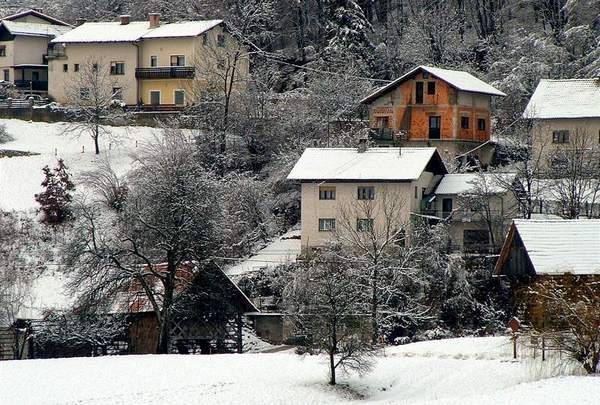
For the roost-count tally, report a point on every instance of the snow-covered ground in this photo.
(20, 177)
(455, 371)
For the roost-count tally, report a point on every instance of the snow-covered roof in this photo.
(399, 164)
(35, 13)
(561, 246)
(460, 183)
(457, 78)
(573, 98)
(34, 29)
(134, 31)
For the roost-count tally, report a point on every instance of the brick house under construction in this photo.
(429, 106)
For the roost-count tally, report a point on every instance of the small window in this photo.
(446, 207)
(204, 39)
(117, 93)
(326, 224)
(76, 67)
(65, 67)
(326, 193)
(95, 67)
(221, 40)
(366, 193)
(425, 75)
(84, 93)
(481, 124)
(364, 224)
(6, 75)
(464, 122)
(179, 97)
(177, 60)
(423, 192)
(153, 61)
(561, 136)
(2, 50)
(431, 88)
(117, 68)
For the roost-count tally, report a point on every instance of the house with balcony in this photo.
(347, 192)
(565, 114)
(24, 40)
(478, 208)
(429, 106)
(151, 64)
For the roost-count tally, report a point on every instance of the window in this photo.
(419, 93)
(204, 39)
(326, 193)
(364, 224)
(431, 88)
(117, 68)
(326, 224)
(154, 97)
(76, 67)
(423, 192)
(65, 67)
(221, 40)
(153, 61)
(84, 93)
(35, 76)
(117, 93)
(366, 193)
(179, 97)
(561, 136)
(446, 207)
(2, 50)
(177, 60)
(6, 75)
(464, 122)
(481, 124)
(95, 67)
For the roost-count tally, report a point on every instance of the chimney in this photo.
(80, 21)
(154, 19)
(124, 19)
(362, 145)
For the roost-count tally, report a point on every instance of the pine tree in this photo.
(347, 29)
(56, 197)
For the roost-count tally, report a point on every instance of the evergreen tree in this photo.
(347, 28)
(56, 197)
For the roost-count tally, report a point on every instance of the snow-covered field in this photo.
(455, 371)
(20, 177)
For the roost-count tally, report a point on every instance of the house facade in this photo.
(430, 106)
(24, 40)
(478, 208)
(564, 114)
(347, 190)
(150, 63)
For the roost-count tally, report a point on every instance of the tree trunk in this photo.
(331, 368)
(374, 306)
(96, 136)
(164, 339)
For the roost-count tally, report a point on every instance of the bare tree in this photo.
(331, 308)
(96, 95)
(111, 188)
(170, 219)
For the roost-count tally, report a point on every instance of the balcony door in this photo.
(435, 122)
(155, 97)
(419, 93)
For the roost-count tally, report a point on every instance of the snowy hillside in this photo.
(455, 371)
(20, 177)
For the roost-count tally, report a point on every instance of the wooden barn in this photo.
(551, 253)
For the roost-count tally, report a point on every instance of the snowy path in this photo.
(456, 371)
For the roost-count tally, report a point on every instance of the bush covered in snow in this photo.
(4, 135)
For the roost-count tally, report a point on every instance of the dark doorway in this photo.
(419, 98)
(434, 127)
(446, 207)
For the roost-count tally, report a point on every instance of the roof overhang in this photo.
(38, 14)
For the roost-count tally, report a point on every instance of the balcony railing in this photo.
(382, 134)
(55, 54)
(37, 85)
(169, 72)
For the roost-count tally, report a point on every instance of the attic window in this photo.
(431, 88)
(425, 75)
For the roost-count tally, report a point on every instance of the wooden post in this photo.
(239, 324)
(543, 348)
(514, 339)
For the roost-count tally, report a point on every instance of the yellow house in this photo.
(150, 63)
(564, 114)
(354, 190)
(24, 39)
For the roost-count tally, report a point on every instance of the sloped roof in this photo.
(388, 164)
(572, 98)
(34, 29)
(561, 246)
(134, 31)
(35, 13)
(457, 78)
(460, 183)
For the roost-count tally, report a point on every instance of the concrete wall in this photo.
(30, 49)
(347, 204)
